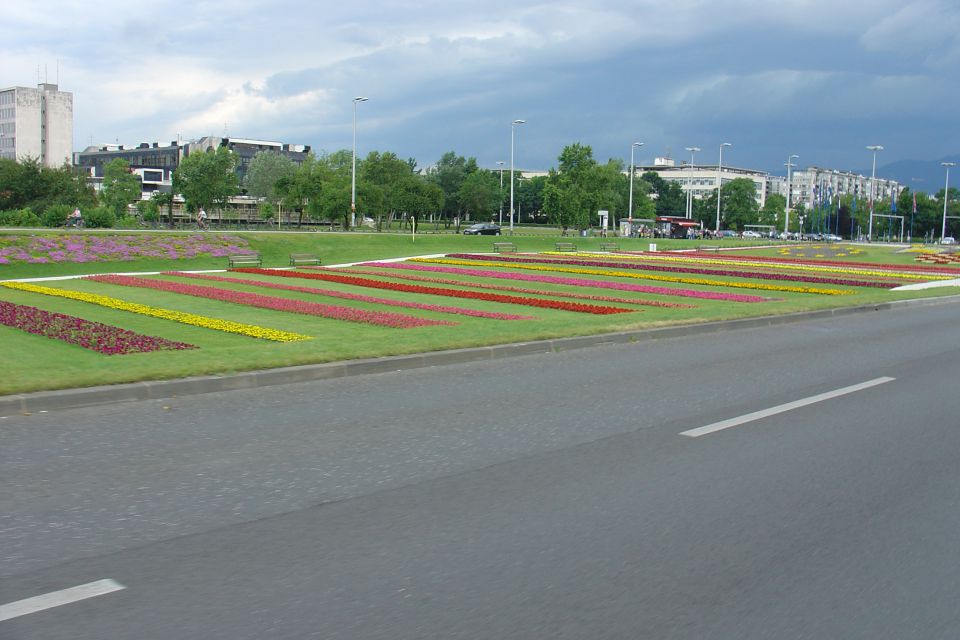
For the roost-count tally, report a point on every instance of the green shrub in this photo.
(99, 218)
(19, 218)
(56, 215)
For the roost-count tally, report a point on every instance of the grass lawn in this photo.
(36, 363)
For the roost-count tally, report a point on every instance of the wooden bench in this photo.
(565, 246)
(303, 258)
(244, 259)
(609, 246)
(709, 247)
(504, 247)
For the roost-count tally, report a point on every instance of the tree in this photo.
(206, 179)
(670, 199)
(772, 211)
(385, 173)
(739, 203)
(449, 174)
(120, 187)
(28, 184)
(302, 190)
(266, 169)
(479, 194)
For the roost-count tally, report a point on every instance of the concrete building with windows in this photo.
(156, 162)
(813, 183)
(37, 123)
(702, 179)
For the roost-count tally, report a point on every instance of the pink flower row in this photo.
(876, 266)
(95, 336)
(358, 297)
(646, 266)
(537, 292)
(381, 318)
(577, 282)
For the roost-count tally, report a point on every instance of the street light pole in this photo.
(630, 203)
(873, 180)
(720, 181)
(353, 171)
(513, 128)
(786, 219)
(692, 150)
(500, 219)
(946, 197)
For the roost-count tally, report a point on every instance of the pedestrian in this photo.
(202, 219)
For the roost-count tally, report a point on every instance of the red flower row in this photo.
(645, 266)
(355, 296)
(436, 291)
(536, 292)
(876, 266)
(381, 318)
(95, 336)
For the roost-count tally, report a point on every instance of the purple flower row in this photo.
(95, 336)
(577, 282)
(381, 318)
(646, 266)
(358, 297)
(105, 248)
(537, 292)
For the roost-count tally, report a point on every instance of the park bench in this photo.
(565, 246)
(504, 247)
(709, 247)
(609, 246)
(303, 258)
(244, 260)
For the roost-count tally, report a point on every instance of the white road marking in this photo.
(58, 598)
(772, 411)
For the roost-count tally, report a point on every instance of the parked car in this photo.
(749, 233)
(831, 237)
(726, 233)
(482, 229)
(948, 240)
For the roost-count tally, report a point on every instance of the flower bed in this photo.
(646, 266)
(21, 249)
(356, 296)
(646, 276)
(915, 272)
(576, 282)
(437, 291)
(95, 336)
(166, 314)
(381, 318)
(536, 292)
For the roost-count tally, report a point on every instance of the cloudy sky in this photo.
(819, 78)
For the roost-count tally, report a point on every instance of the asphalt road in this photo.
(545, 496)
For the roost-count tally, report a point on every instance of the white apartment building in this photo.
(807, 185)
(702, 180)
(37, 123)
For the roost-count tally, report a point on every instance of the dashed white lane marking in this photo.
(58, 598)
(772, 411)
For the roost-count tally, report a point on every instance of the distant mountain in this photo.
(920, 175)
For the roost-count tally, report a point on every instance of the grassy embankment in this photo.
(36, 363)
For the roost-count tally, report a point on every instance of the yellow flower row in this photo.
(637, 276)
(167, 314)
(768, 265)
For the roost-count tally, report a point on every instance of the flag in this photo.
(914, 202)
(893, 203)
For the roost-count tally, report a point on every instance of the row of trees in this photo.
(452, 190)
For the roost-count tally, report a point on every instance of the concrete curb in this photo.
(160, 389)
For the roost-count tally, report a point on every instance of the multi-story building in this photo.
(37, 123)
(814, 184)
(702, 180)
(155, 163)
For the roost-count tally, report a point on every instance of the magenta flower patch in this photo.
(95, 336)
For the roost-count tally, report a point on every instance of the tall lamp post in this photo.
(692, 150)
(786, 220)
(513, 128)
(500, 163)
(353, 171)
(720, 181)
(630, 202)
(873, 181)
(946, 197)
